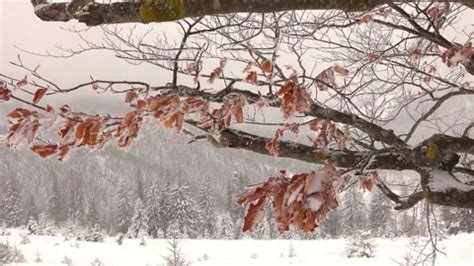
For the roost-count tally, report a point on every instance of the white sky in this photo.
(20, 27)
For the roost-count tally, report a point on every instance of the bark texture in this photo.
(146, 11)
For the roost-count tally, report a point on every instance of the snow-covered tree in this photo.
(458, 220)
(92, 215)
(11, 203)
(123, 208)
(207, 209)
(381, 222)
(139, 224)
(333, 225)
(32, 226)
(166, 208)
(45, 225)
(236, 187)
(186, 216)
(354, 211)
(360, 245)
(225, 227)
(152, 210)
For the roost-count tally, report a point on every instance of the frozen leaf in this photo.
(88, 131)
(373, 57)
(252, 78)
(303, 200)
(295, 98)
(415, 54)
(65, 109)
(326, 79)
(266, 66)
(4, 94)
(341, 70)
(39, 95)
(457, 54)
(366, 19)
(63, 150)
(128, 129)
(218, 70)
(131, 97)
(21, 83)
(45, 150)
(366, 183)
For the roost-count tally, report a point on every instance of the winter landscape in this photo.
(213, 132)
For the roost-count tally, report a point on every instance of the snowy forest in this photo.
(215, 132)
(119, 192)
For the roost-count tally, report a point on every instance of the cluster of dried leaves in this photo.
(326, 131)
(301, 201)
(458, 54)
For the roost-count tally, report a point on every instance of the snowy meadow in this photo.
(55, 250)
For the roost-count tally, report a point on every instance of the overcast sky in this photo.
(20, 27)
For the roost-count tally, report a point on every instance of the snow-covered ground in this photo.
(459, 250)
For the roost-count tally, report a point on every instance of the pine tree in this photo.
(45, 226)
(77, 208)
(56, 203)
(32, 226)
(225, 227)
(380, 215)
(123, 208)
(139, 185)
(186, 212)
(152, 211)
(353, 211)
(12, 207)
(166, 209)
(236, 187)
(207, 209)
(31, 209)
(139, 224)
(92, 215)
(332, 226)
(457, 220)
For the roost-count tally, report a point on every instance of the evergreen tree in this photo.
(235, 188)
(225, 227)
(139, 224)
(457, 220)
(380, 216)
(45, 225)
(123, 208)
(56, 203)
(353, 211)
(77, 208)
(186, 212)
(32, 226)
(92, 215)
(139, 185)
(166, 209)
(332, 226)
(152, 211)
(31, 209)
(12, 207)
(207, 209)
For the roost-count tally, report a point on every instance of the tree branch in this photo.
(93, 14)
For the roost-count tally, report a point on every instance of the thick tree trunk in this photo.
(147, 11)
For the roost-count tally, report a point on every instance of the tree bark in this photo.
(146, 11)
